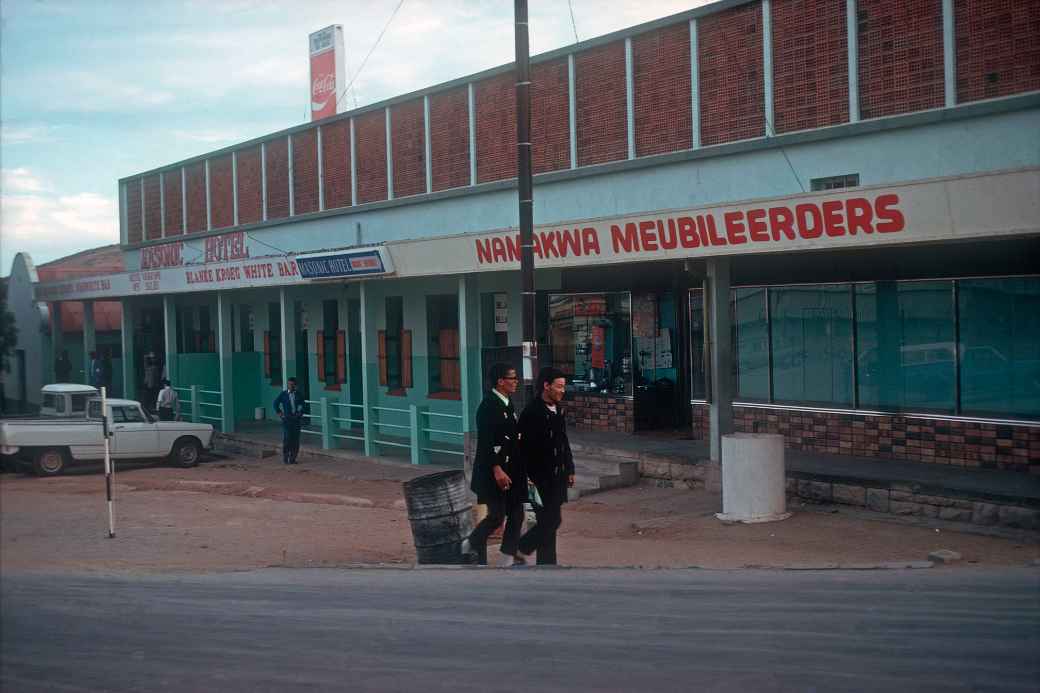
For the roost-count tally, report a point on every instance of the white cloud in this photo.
(50, 225)
(11, 135)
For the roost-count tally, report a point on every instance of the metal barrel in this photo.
(441, 515)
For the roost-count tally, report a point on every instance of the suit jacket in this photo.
(496, 445)
(293, 415)
(545, 449)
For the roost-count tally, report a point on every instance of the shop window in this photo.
(395, 349)
(273, 344)
(850, 180)
(905, 346)
(332, 347)
(442, 322)
(590, 340)
(194, 331)
(698, 340)
(1000, 346)
(751, 339)
(811, 344)
(245, 329)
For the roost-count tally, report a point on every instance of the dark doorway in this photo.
(655, 347)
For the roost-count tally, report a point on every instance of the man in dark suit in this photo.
(498, 473)
(289, 405)
(548, 461)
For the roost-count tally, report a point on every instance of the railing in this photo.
(195, 404)
(408, 428)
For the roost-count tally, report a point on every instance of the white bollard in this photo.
(753, 478)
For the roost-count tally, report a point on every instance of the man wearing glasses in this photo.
(498, 473)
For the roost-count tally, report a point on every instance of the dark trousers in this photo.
(542, 537)
(290, 440)
(500, 508)
(166, 414)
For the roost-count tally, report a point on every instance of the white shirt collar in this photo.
(505, 400)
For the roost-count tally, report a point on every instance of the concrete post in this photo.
(470, 366)
(225, 356)
(194, 403)
(721, 344)
(326, 424)
(368, 365)
(89, 338)
(170, 338)
(129, 358)
(288, 315)
(415, 433)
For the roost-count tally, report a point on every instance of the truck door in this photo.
(132, 434)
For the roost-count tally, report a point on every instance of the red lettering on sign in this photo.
(859, 214)
(589, 241)
(756, 225)
(483, 251)
(627, 240)
(890, 220)
(781, 221)
(513, 246)
(734, 227)
(688, 233)
(810, 225)
(646, 235)
(833, 221)
(667, 235)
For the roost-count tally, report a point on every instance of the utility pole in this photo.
(524, 185)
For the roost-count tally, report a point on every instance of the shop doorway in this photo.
(657, 361)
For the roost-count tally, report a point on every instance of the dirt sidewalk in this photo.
(242, 513)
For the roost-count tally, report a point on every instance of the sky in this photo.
(95, 90)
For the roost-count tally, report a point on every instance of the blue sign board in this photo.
(342, 264)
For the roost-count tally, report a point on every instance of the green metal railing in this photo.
(195, 405)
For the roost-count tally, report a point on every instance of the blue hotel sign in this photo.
(342, 264)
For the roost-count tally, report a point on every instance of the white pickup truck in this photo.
(50, 445)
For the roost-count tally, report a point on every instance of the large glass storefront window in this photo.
(698, 335)
(905, 346)
(751, 339)
(812, 344)
(1000, 346)
(590, 337)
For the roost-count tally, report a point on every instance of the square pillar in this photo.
(470, 366)
(288, 315)
(369, 367)
(720, 342)
(225, 352)
(169, 307)
(129, 359)
(57, 340)
(89, 338)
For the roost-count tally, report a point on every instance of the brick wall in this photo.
(250, 186)
(956, 443)
(174, 204)
(408, 140)
(550, 116)
(900, 56)
(730, 75)
(133, 211)
(195, 182)
(810, 64)
(599, 413)
(277, 164)
(152, 207)
(335, 159)
(449, 138)
(221, 192)
(305, 171)
(496, 127)
(601, 104)
(370, 137)
(661, 76)
(998, 47)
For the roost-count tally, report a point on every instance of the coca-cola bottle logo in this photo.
(323, 84)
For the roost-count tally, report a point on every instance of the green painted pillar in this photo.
(129, 358)
(225, 352)
(57, 340)
(368, 363)
(169, 305)
(289, 327)
(470, 364)
(89, 338)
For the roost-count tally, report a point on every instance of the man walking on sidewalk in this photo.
(289, 406)
(498, 473)
(547, 457)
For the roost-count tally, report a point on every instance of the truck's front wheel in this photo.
(49, 462)
(186, 452)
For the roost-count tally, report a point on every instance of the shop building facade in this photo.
(825, 213)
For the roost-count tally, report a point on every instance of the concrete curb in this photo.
(231, 488)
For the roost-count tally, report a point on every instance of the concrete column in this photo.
(57, 340)
(852, 30)
(288, 315)
(572, 111)
(129, 358)
(767, 66)
(949, 54)
(720, 342)
(470, 366)
(89, 337)
(472, 134)
(169, 305)
(630, 96)
(695, 98)
(369, 367)
(225, 352)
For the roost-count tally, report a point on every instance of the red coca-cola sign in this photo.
(326, 70)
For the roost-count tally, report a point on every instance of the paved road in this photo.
(525, 630)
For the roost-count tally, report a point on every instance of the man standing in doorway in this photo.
(62, 367)
(550, 465)
(498, 473)
(289, 407)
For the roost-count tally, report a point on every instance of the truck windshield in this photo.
(79, 403)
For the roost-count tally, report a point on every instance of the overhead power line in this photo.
(370, 51)
(574, 24)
